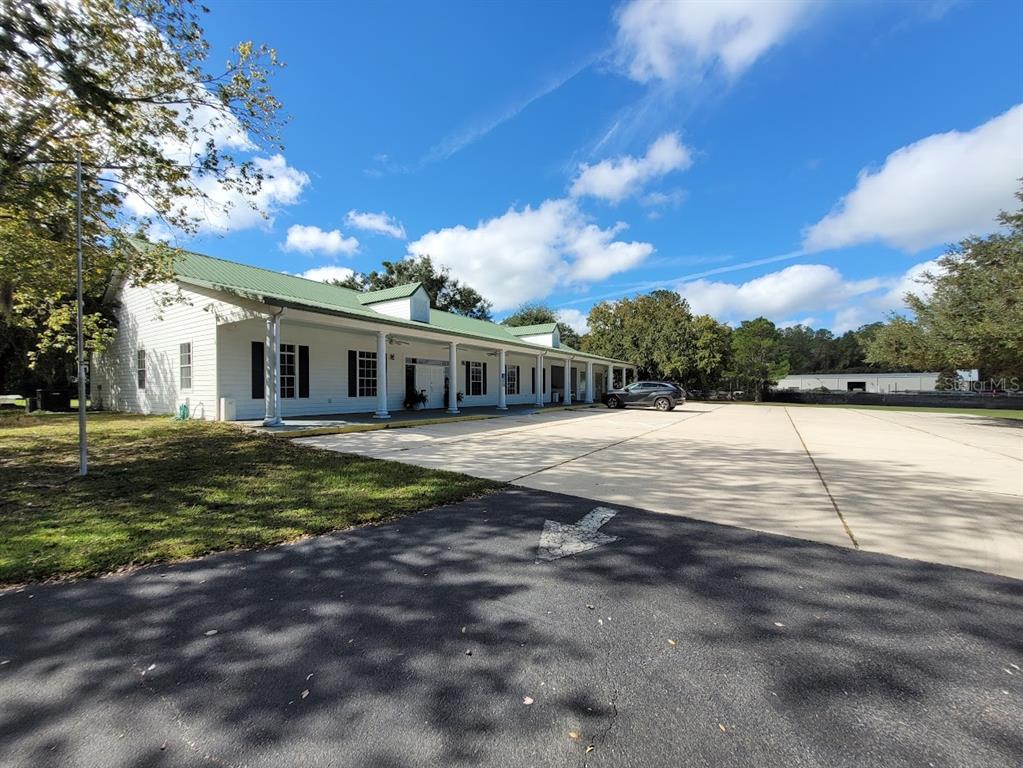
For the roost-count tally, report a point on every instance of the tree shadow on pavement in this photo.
(418, 642)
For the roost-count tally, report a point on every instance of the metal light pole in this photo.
(83, 449)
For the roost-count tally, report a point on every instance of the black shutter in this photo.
(303, 371)
(518, 381)
(532, 380)
(353, 372)
(545, 380)
(484, 378)
(258, 390)
(468, 390)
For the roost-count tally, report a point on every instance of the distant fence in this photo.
(920, 399)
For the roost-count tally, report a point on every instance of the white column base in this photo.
(381, 415)
(276, 421)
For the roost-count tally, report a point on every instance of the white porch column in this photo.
(272, 372)
(502, 391)
(538, 380)
(568, 381)
(453, 377)
(589, 381)
(381, 412)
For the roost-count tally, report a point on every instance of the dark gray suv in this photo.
(662, 395)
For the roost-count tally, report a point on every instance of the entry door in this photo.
(431, 379)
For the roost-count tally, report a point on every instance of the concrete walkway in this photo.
(345, 423)
(945, 488)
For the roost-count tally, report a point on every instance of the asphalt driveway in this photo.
(945, 488)
(439, 640)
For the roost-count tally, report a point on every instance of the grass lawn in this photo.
(161, 490)
(991, 413)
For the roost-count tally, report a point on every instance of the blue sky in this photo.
(798, 160)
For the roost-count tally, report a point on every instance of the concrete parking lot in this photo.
(945, 488)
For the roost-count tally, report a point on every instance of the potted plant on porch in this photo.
(415, 400)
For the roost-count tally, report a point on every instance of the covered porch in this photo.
(300, 369)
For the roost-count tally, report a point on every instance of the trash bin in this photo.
(53, 399)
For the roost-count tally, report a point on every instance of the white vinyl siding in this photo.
(152, 318)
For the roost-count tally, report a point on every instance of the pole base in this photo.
(381, 415)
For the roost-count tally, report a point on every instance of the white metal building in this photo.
(231, 341)
(881, 383)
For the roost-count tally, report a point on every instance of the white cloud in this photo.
(308, 239)
(525, 254)
(798, 289)
(225, 209)
(933, 192)
(807, 290)
(381, 223)
(327, 273)
(668, 39)
(617, 178)
(574, 319)
(674, 198)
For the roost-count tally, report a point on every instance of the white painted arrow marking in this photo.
(561, 539)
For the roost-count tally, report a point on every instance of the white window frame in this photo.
(140, 368)
(366, 374)
(475, 379)
(511, 380)
(185, 365)
(289, 371)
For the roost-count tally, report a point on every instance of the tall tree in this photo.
(123, 85)
(970, 313)
(538, 313)
(801, 347)
(758, 357)
(446, 293)
(653, 331)
(712, 350)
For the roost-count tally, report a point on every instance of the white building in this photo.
(882, 383)
(231, 341)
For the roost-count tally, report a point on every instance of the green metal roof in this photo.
(389, 294)
(532, 330)
(277, 288)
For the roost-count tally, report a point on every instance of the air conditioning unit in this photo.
(227, 409)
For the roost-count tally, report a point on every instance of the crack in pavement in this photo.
(602, 735)
(179, 720)
(845, 525)
(935, 434)
(613, 445)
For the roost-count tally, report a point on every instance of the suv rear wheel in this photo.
(662, 404)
